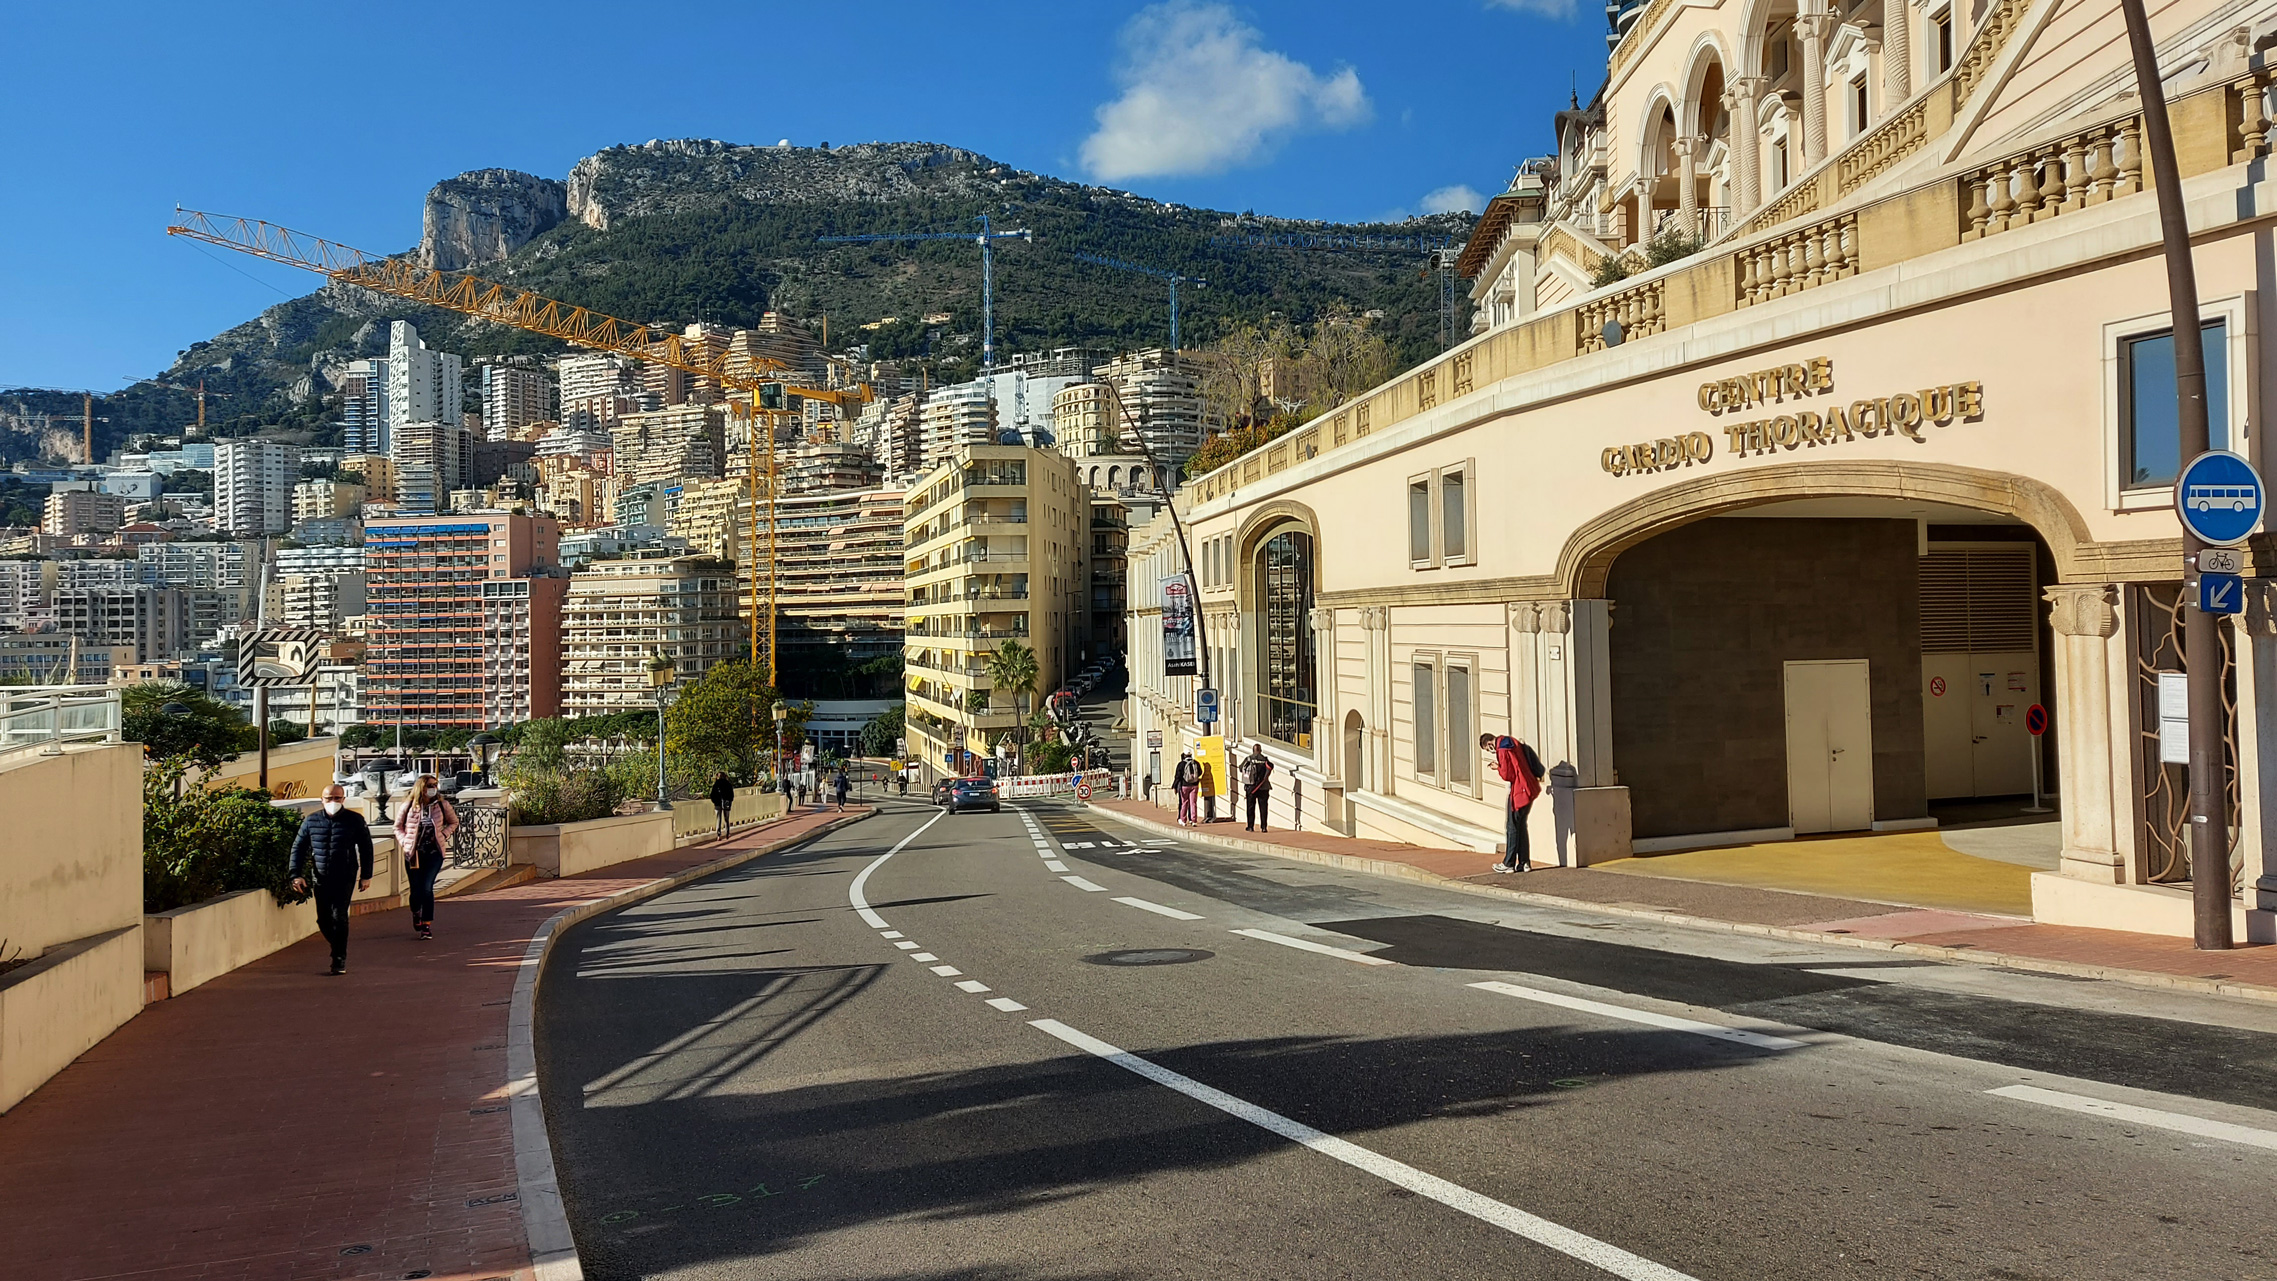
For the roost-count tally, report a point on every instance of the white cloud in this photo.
(1200, 96)
(1459, 198)
(1547, 8)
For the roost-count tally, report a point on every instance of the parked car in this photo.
(941, 791)
(974, 794)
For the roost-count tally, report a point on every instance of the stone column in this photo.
(1811, 28)
(1746, 143)
(1377, 620)
(2095, 776)
(1561, 680)
(2256, 639)
(1897, 52)
(1327, 726)
(1687, 178)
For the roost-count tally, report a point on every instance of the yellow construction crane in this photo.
(399, 277)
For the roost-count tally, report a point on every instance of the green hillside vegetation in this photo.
(734, 259)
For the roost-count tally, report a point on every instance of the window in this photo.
(1419, 521)
(1287, 663)
(1858, 106)
(1460, 758)
(2150, 421)
(1454, 515)
(1426, 728)
(1943, 26)
(1779, 165)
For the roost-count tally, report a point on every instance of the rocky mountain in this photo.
(674, 231)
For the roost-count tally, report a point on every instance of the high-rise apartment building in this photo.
(378, 471)
(27, 593)
(153, 621)
(315, 600)
(422, 386)
(596, 389)
(201, 564)
(521, 647)
(325, 499)
(707, 516)
(514, 397)
(620, 614)
(58, 658)
(425, 617)
(253, 486)
(430, 459)
(81, 511)
(1161, 394)
(684, 442)
(996, 547)
(838, 587)
(826, 466)
(953, 419)
(100, 572)
(364, 406)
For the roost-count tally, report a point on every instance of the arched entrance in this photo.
(1355, 752)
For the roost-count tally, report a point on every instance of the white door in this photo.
(1830, 746)
(2001, 688)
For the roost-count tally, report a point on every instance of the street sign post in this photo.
(2219, 497)
(2221, 560)
(2036, 724)
(2220, 593)
(1206, 707)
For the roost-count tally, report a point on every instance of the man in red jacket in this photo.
(1521, 769)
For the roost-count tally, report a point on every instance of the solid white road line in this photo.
(1307, 945)
(972, 985)
(854, 892)
(2127, 1113)
(947, 971)
(1757, 1039)
(1054, 865)
(1158, 909)
(1006, 1004)
(923, 956)
(1564, 1240)
(1081, 884)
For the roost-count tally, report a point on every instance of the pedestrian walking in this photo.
(723, 799)
(332, 853)
(1257, 788)
(423, 830)
(1186, 780)
(841, 785)
(803, 793)
(1520, 768)
(901, 779)
(1146, 788)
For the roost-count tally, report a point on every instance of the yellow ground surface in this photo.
(1915, 868)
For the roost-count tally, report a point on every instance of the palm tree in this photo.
(1012, 668)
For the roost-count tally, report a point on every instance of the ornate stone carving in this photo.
(2076, 610)
(1376, 618)
(1525, 616)
(1323, 620)
(1557, 616)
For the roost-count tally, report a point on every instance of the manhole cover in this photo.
(1151, 956)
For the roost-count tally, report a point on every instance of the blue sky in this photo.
(335, 119)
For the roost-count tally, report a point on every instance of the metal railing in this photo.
(45, 718)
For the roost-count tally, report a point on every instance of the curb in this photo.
(1964, 956)
(545, 1224)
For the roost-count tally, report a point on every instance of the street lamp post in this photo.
(660, 675)
(482, 743)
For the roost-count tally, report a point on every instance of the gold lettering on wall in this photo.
(1791, 426)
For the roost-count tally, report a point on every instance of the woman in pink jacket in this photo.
(423, 832)
(1521, 769)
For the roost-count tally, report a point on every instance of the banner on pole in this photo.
(1178, 652)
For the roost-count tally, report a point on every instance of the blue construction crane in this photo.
(1441, 253)
(1159, 274)
(987, 238)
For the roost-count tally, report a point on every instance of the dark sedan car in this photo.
(974, 794)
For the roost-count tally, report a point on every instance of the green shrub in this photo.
(542, 796)
(1611, 270)
(210, 842)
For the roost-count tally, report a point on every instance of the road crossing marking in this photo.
(923, 956)
(1055, 865)
(890, 934)
(1006, 1004)
(1575, 1245)
(1081, 884)
(2127, 1113)
(1646, 1017)
(1158, 909)
(906, 946)
(972, 985)
(1307, 945)
(1078, 845)
(947, 971)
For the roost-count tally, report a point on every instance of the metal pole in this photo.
(663, 800)
(1173, 315)
(261, 719)
(987, 302)
(2202, 642)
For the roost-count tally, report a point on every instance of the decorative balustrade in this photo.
(2252, 94)
(1984, 48)
(1639, 310)
(2052, 179)
(1798, 260)
(1889, 142)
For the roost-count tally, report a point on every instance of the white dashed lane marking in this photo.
(1055, 865)
(1006, 1004)
(972, 985)
(2129, 1114)
(947, 971)
(1158, 909)
(1081, 884)
(1646, 1017)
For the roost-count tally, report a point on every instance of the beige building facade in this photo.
(618, 615)
(1788, 535)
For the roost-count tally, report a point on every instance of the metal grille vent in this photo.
(1978, 600)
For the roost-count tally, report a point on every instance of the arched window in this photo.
(1286, 664)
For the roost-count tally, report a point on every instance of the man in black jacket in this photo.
(723, 801)
(335, 845)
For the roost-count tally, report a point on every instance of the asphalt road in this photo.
(1033, 1045)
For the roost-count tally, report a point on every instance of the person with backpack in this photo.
(423, 831)
(1520, 768)
(1186, 780)
(1257, 787)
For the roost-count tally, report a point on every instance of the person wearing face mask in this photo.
(333, 853)
(423, 831)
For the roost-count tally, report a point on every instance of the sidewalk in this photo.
(278, 1123)
(2144, 959)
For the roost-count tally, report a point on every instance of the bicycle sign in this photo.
(2219, 498)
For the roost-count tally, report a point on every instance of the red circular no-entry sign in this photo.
(1937, 687)
(2035, 720)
